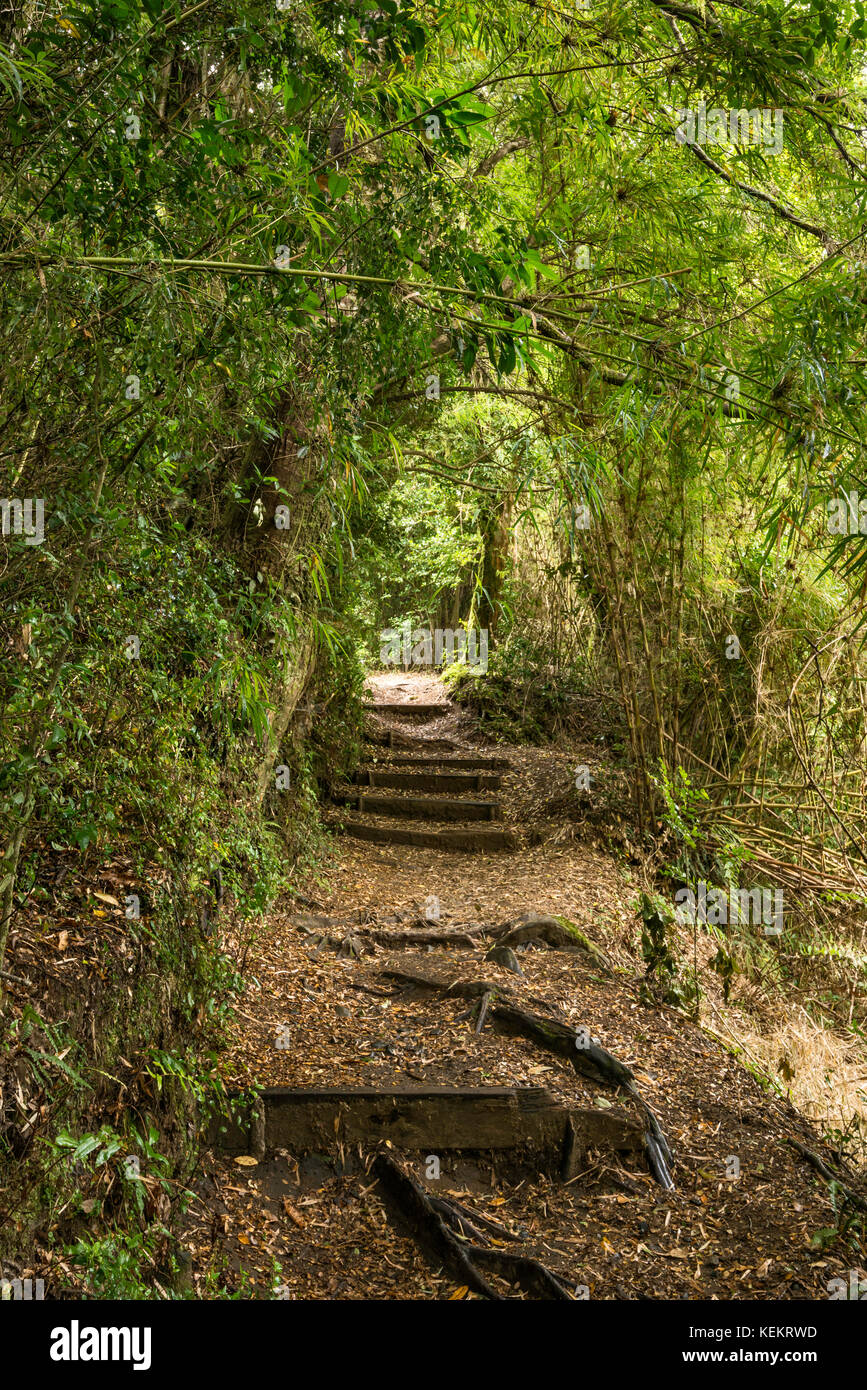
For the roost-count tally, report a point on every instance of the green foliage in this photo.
(850, 1223)
(681, 801)
(517, 699)
(118, 1266)
(416, 547)
(663, 980)
(724, 966)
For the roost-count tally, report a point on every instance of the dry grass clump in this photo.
(824, 1074)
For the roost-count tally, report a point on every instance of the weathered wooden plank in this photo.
(421, 807)
(405, 708)
(483, 839)
(388, 738)
(483, 760)
(427, 781)
(437, 1118)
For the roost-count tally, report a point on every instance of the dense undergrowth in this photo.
(143, 839)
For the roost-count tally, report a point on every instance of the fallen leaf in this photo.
(292, 1213)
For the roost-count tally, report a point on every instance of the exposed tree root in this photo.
(852, 1198)
(473, 1221)
(558, 932)
(356, 940)
(411, 937)
(573, 1045)
(527, 1273)
(440, 1224)
(429, 1226)
(366, 989)
(505, 956)
(350, 936)
(659, 1155)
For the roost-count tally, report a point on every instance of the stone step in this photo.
(427, 781)
(420, 807)
(487, 839)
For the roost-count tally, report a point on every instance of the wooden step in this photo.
(388, 738)
(428, 781)
(482, 761)
(427, 1118)
(421, 807)
(404, 708)
(486, 839)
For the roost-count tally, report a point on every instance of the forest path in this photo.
(324, 1010)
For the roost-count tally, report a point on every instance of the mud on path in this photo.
(324, 1009)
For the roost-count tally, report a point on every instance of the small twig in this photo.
(483, 1011)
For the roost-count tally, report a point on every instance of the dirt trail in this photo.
(324, 1009)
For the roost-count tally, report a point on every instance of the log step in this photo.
(421, 807)
(481, 839)
(405, 708)
(387, 738)
(482, 761)
(429, 1118)
(427, 780)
